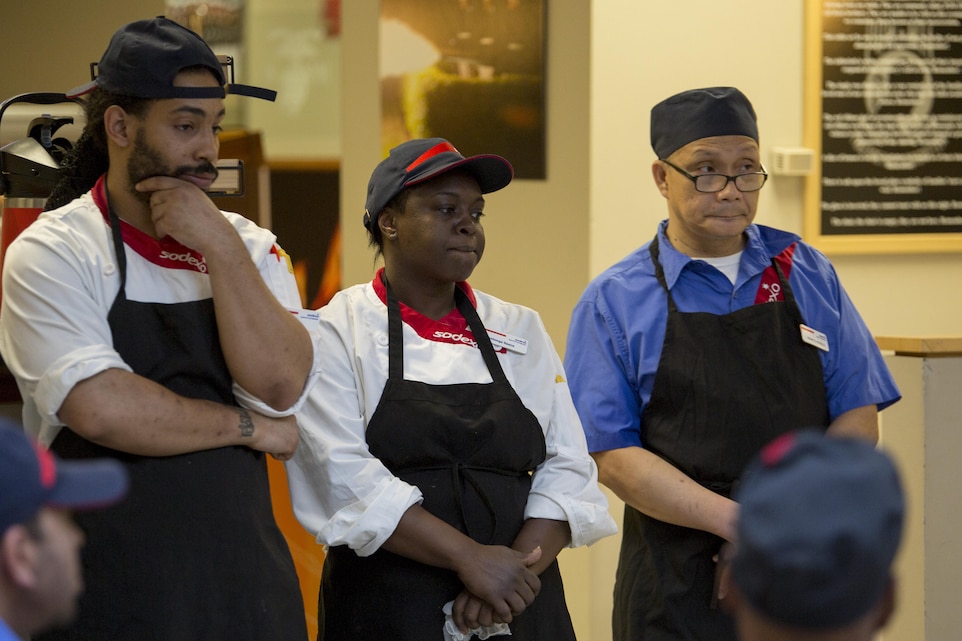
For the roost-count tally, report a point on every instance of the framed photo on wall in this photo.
(884, 114)
(471, 71)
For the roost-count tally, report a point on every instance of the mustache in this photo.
(206, 167)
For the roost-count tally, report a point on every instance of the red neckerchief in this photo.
(453, 328)
(164, 252)
(770, 288)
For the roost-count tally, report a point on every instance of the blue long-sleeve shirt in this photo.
(618, 326)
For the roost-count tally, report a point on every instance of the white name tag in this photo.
(814, 337)
(308, 317)
(510, 343)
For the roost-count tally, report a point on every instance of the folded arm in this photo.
(268, 352)
(123, 411)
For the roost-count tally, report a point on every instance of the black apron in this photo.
(470, 448)
(193, 552)
(725, 386)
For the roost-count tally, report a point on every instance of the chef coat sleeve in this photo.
(53, 324)
(341, 493)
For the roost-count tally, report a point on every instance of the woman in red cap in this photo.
(441, 456)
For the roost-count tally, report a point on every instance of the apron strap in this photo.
(786, 288)
(653, 249)
(660, 273)
(396, 335)
(118, 239)
(480, 336)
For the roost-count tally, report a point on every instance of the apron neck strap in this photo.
(660, 273)
(653, 249)
(118, 239)
(396, 335)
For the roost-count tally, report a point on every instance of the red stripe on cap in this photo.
(439, 148)
(48, 467)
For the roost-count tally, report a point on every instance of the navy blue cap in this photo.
(32, 477)
(819, 525)
(144, 57)
(422, 159)
(700, 113)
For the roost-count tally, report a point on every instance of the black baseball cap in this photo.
(144, 57)
(422, 159)
(700, 113)
(32, 477)
(819, 524)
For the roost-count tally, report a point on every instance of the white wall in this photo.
(288, 49)
(643, 52)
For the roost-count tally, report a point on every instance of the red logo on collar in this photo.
(165, 252)
(770, 288)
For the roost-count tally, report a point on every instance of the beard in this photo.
(146, 161)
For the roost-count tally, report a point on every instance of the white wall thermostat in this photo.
(792, 161)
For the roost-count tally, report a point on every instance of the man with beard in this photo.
(146, 325)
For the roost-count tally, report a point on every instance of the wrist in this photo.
(245, 424)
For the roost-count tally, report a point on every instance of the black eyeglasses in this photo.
(711, 183)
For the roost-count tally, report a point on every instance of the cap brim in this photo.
(82, 90)
(491, 171)
(189, 92)
(89, 484)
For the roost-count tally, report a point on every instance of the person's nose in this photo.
(209, 147)
(730, 192)
(466, 223)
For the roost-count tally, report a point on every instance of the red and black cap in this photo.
(819, 524)
(32, 477)
(417, 161)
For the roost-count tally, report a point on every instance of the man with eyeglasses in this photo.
(691, 353)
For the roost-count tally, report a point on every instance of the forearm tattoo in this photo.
(246, 425)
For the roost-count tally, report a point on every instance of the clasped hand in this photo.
(499, 585)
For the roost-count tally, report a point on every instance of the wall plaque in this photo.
(884, 112)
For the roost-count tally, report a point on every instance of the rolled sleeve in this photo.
(248, 400)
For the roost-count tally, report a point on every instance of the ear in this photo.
(117, 124)
(660, 175)
(387, 222)
(18, 553)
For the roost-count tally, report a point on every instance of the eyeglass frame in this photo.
(728, 179)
